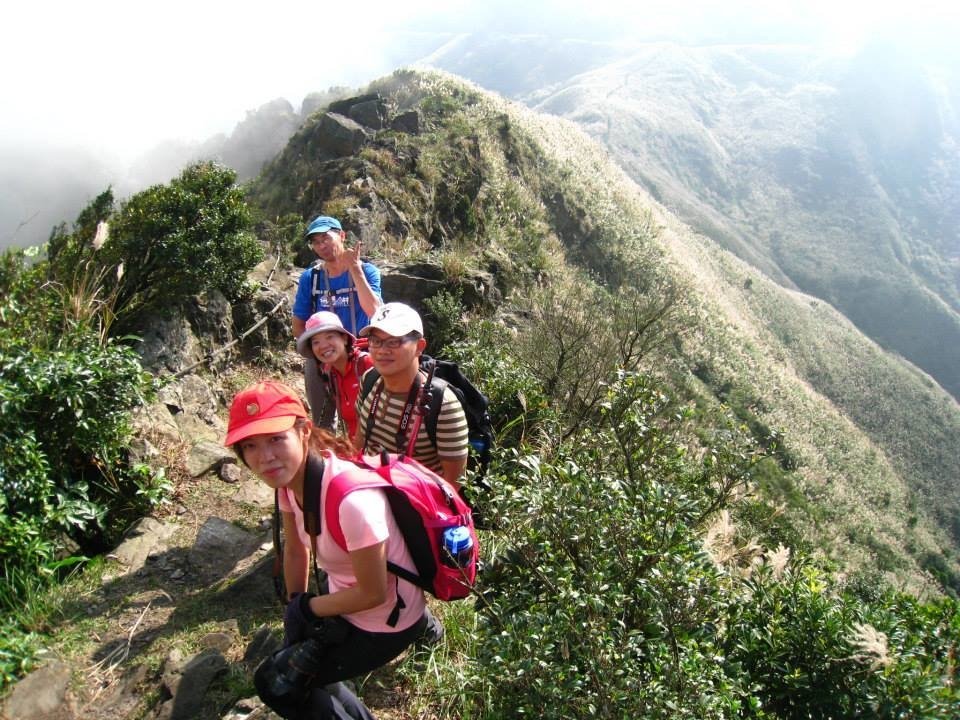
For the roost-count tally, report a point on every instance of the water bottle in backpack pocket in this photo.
(457, 549)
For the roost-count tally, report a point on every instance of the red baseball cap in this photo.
(264, 407)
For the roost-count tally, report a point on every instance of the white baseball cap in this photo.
(395, 319)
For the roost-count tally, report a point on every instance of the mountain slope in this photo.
(477, 181)
(838, 177)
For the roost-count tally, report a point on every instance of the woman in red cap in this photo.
(340, 362)
(367, 618)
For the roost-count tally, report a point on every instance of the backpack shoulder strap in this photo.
(436, 390)
(314, 281)
(351, 477)
(435, 402)
(368, 382)
(312, 482)
(278, 551)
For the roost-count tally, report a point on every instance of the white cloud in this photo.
(122, 75)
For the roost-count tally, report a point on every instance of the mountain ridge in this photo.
(794, 162)
(857, 452)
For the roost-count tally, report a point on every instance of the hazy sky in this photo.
(118, 76)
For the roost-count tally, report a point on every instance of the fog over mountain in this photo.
(830, 164)
(836, 175)
(93, 99)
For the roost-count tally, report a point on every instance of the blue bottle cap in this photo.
(457, 539)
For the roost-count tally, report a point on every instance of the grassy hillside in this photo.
(487, 186)
(837, 176)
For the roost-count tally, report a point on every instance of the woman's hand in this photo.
(370, 590)
(298, 619)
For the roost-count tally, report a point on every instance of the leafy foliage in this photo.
(598, 607)
(608, 598)
(166, 243)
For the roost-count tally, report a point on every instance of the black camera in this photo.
(295, 667)
(285, 678)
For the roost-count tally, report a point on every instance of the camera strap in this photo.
(312, 483)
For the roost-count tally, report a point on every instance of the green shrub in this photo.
(810, 651)
(166, 243)
(65, 428)
(443, 320)
(518, 409)
(604, 603)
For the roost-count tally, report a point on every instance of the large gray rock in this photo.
(264, 643)
(187, 681)
(219, 546)
(194, 407)
(406, 122)
(412, 283)
(210, 318)
(147, 536)
(156, 421)
(370, 113)
(275, 331)
(168, 343)
(337, 136)
(41, 695)
(205, 456)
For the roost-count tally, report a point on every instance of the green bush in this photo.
(604, 604)
(65, 429)
(810, 651)
(519, 410)
(443, 321)
(66, 482)
(165, 244)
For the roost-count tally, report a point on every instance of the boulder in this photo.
(205, 456)
(194, 408)
(186, 681)
(41, 694)
(336, 136)
(219, 546)
(370, 113)
(168, 343)
(406, 122)
(210, 318)
(275, 332)
(144, 538)
(156, 421)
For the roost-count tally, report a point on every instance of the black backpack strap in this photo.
(314, 291)
(371, 413)
(278, 552)
(428, 365)
(436, 405)
(312, 482)
(367, 382)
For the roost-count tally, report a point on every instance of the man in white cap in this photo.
(339, 282)
(385, 418)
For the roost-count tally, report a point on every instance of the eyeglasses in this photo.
(391, 343)
(329, 235)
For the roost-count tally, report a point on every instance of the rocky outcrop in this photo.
(42, 695)
(412, 283)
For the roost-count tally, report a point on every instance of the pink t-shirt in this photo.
(366, 519)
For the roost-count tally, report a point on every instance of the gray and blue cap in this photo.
(322, 224)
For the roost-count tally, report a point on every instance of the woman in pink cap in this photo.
(340, 362)
(367, 618)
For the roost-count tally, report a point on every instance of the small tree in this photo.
(580, 334)
(174, 241)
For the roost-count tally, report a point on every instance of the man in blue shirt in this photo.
(341, 282)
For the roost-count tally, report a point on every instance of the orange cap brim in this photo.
(261, 426)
